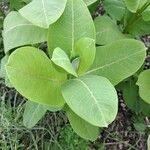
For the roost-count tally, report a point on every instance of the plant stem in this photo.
(135, 17)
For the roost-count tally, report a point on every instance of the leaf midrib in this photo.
(19, 25)
(36, 76)
(112, 63)
(44, 10)
(93, 97)
(73, 26)
(103, 31)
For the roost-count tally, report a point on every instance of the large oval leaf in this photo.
(43, 12)
(144, 85)
(18, 31)
(75, 23)
(33, 75)
(82, 127)
(119, 60)
(93, 98)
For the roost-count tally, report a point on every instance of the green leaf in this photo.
(93, 6)
(140, 127)
(43, 12)
(75, 63)
(18, 31)
(119, 60)
(132, 99)
(7, 82)
(144, 108)
(2, 66)
(107, 31)
(82, 127)
(16, 4)
(146, 14)
(75, 23)
(130, 95)
(93, 98)
(148, 142)
(61, 59)
(27, 1)
(3, 74)
(1, 22)
(134, 5)
(140, 28)
(33, 75)
(33, 113)
(85, 49)
(115, 8)
(53, 109)
(89, 2)
(144, 85)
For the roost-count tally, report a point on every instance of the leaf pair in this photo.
(84, 49)
(19, 31)
(71, 27)
(90, 97)
(31, 22)
(34, 76)
(30, 67)
(33, 29)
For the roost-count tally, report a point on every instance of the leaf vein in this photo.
(114, 62)
(92, 95)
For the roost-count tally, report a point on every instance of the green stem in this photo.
(134, 18)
